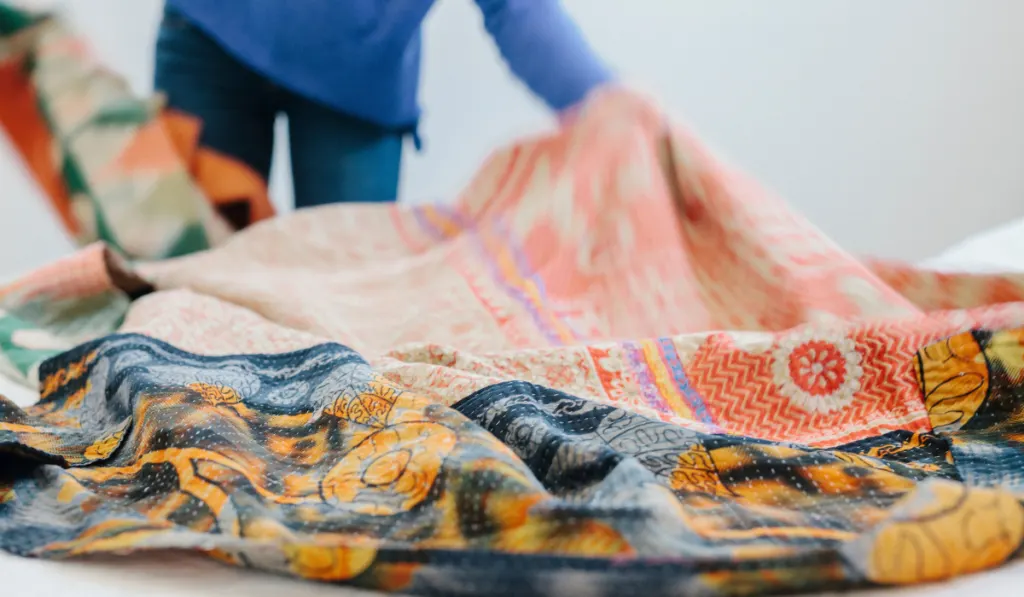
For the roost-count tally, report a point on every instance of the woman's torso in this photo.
(361, 57)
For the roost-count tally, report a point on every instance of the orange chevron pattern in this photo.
(745, 400)
(738, 387)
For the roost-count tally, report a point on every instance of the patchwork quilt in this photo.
(614, 365)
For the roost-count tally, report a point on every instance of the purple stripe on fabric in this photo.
(648, 389)
(693, 399)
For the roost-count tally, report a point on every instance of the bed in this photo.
(175, 575)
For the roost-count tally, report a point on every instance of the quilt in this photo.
(612, 365)
(114, 167)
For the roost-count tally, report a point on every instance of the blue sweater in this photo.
(362, 57)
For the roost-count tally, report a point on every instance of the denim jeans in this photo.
(335, 157)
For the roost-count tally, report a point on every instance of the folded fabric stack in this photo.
(612, 366)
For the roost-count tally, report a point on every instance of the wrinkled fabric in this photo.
(615, 260)
(613, 365)
(311, 464)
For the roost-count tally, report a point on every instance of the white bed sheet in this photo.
(999, 249)
(174, 575)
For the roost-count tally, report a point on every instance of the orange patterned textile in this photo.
(613, 260)
(114, 168)
(612, 361)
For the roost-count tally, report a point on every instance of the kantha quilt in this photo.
(115, 168)
(613, 365)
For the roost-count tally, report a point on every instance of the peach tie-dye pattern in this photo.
(615, 259)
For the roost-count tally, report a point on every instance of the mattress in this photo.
(998, 249)
(175, 575)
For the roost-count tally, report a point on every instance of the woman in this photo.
(345, 72)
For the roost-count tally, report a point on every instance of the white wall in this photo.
(897, 126)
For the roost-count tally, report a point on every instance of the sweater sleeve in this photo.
(545, 49)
